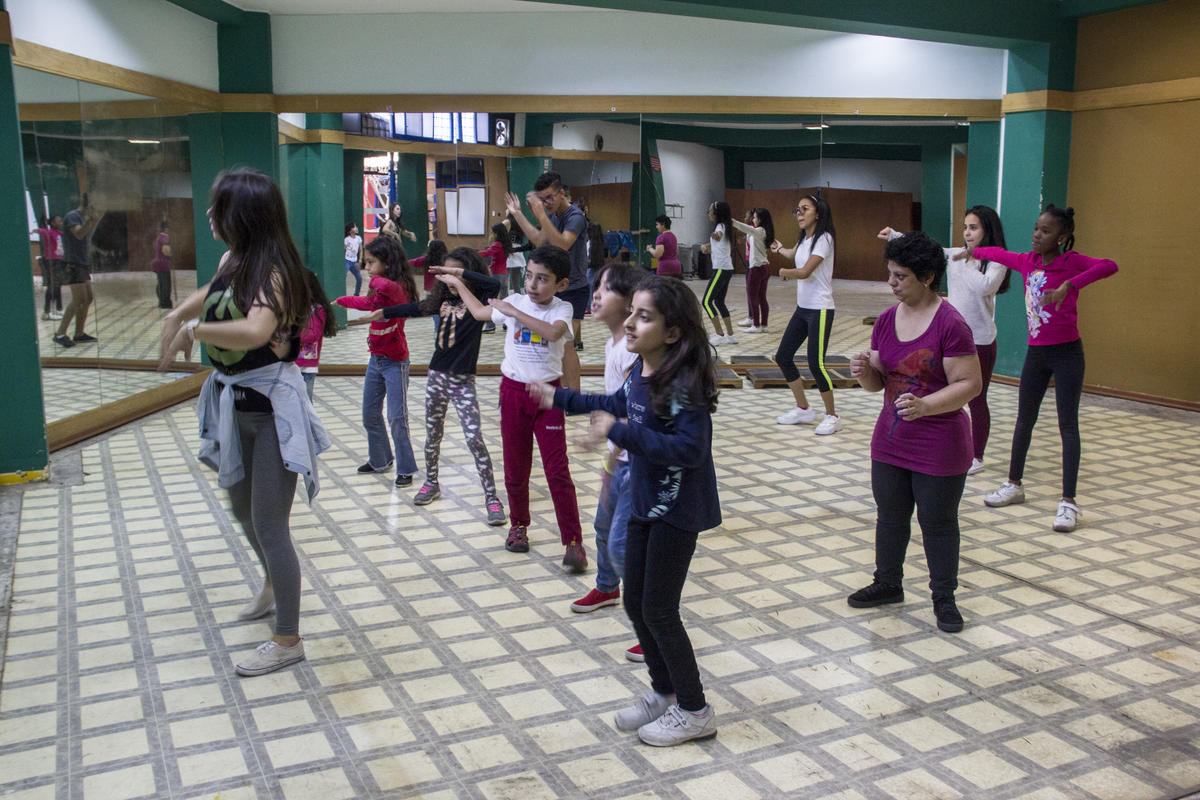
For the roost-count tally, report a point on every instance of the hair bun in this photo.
(1070, 212)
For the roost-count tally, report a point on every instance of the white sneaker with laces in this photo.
(677, 726)
(976, 466)
(730, 338)
(1064, 520)
(831, 424)
(759, 329)
(716, 340)
(751, 329)
(645, 709)
(746, 323)
(268, 657)
(1009, 493)
(797, 415)
(261, 605)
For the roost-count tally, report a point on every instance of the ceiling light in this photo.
(144, 141)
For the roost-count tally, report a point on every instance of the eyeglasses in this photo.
(547, 198)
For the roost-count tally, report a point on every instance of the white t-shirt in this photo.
(973, 293)
(815, 291)
(527, 356)
(722, 257)
(352, 244)
(617, 363)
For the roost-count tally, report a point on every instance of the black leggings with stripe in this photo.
(714, 293)
(815, 325)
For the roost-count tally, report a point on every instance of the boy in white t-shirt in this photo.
(538, 327)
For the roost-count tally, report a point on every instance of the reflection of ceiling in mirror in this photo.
(33, 86)
(391, 7)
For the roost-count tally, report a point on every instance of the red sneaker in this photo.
(596, 599)
(518, 540)
(575, 559)
(635, 654)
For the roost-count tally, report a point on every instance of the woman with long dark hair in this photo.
(759, 235)
(720, 247)
(258, 426)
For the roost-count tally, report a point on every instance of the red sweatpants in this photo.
(756, 294)
(520, 421)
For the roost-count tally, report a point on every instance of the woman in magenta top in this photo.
(665, 248)
(1054, 274)
(161, 264)
(923, 356)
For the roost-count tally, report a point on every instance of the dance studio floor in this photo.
(441, 666)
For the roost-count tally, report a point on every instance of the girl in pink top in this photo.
(1054, 274)
(320, 325)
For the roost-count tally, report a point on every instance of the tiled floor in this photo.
(442, 666)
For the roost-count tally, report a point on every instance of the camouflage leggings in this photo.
(440, 389)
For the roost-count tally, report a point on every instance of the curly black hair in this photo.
(918, 253)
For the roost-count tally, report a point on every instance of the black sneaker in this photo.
(404, 480)
(62, 340)
(948, 618)
(83, 337)
(366, 468)
(877, 594)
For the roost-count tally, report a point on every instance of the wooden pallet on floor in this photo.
(728, 378)
(772, 378)
(747, 364)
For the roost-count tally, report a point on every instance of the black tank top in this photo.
(219, 306)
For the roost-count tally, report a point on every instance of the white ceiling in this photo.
(285, 7)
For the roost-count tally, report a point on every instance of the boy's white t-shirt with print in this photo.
(617, 363)
(527, 356)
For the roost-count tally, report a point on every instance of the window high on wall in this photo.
(434, 126)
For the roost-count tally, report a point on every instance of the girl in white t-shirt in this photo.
(813, 317)
(720, 247)
(354, 257)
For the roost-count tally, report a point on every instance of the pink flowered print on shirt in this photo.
(1035, 314)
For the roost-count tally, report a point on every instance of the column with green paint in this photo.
(23, 448)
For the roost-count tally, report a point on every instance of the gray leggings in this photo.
(262, 502)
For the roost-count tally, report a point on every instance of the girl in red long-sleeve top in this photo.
(1054, 274)
(391, 284)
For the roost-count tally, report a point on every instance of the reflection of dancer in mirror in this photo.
(452, 370)
(161, 264)
(594, 247)
(720, 247)
(923, 357)
(77, 273)
(50, 237)
(435, 256)
(518, 247)
(353, 244)
(1054, 274)
(973, 286)
(387, 370)
(813, 317)
(559, 222)
(496, 255)
(259, 430)
(394, 225)
(668, 399)
(760, 233)
(665, 249)
(320, 324)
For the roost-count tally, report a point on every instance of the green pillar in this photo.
(352, 186)
(983, 164)
(647, 197)
(23, 447)
(522, 172)
(937, 162)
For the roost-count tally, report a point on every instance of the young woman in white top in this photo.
(813, 317)
(759, 234)
(354, 256)
(973, 286)
(720, 246)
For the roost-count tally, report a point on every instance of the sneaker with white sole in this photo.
(270, 656)
(677, 726)
(1068, 513)
(759, 329)
(976, 466)
(746, 323)
(645, 709)
(730, 338)
(495, 512)
(1008, 494)
(797, 415)
(261, 605)
(751, 329)
(716, 340)
(831, 424)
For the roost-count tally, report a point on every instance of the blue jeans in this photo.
(612, 526)
(390, 378)
(309, 379)
(352, 268)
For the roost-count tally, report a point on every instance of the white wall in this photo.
(693, 175)
(840, 173)
(151, 36)
(615, 52)
(581, 135)
(584, 173)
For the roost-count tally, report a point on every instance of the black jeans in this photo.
(164, 288)
(1064, 362)
(936, 497)
(657, 556)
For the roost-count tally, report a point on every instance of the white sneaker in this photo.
(746, 323)
(261, 605)
(797, 415)
(751, 329)
(1008, 494)
(1064, 520)
(268, 657)
(831, 424)
(55, 315)
(759, 329)
(645, 709)
(677, 726)
(730, 339)
(716, 340)
(976, 466)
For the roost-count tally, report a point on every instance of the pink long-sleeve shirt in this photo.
(1049, 324)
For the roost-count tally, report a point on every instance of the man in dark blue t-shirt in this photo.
(77, 228)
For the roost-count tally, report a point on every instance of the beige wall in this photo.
(1135, 186)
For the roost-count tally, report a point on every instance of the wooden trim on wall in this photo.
(56, 62)
(5, 29)
(1046, 100)
(1139, 94)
